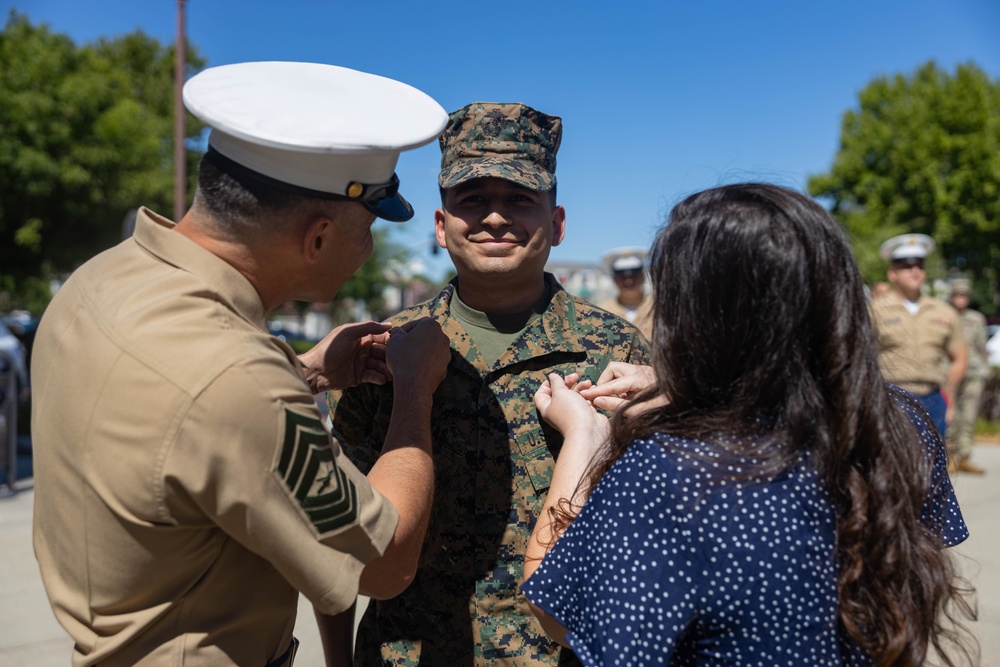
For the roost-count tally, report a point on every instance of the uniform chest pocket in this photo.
(893, 333)
(535, 456)
(940, 331)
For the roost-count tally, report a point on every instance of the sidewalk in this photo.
(29, 634)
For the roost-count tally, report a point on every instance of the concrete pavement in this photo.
(30, 635)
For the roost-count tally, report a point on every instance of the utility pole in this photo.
(180, 158)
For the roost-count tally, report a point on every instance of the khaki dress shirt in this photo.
(185, 488)
(641, 317)
(914, 349)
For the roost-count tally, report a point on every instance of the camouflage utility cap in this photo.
(961, 286)
(509, 141)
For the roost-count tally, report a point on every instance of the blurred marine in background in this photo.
(921, 345)
(628, 270)
(970, 392)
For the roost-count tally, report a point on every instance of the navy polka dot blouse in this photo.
(667, 566)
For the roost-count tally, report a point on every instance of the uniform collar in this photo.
(155, 234)
(897, 299)
(555, 331)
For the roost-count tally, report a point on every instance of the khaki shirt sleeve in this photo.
(956, 340)
(253, 457)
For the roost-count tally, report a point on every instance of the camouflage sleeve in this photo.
(980, 337)
(354, 418)
(360, 415)
(956, 340)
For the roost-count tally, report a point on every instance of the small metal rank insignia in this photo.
(307, 468)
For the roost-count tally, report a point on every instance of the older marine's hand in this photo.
(347, 356)
(417, 353)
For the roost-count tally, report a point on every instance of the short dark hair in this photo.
(244, 207)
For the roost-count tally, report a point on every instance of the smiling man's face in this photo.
(908, 276)
(491, 226)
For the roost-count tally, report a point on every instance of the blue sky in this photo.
(659, 99)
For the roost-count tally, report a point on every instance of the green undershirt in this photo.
(492, 333)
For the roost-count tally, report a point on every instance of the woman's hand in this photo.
(618, 384)
(560, 403)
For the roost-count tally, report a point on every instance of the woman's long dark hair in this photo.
(762, 332)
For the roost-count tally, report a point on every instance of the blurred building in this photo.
(590, 281)
(296, 320)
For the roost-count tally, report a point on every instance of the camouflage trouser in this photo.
(962, 429)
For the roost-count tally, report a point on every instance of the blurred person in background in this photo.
(627, 267)
(921, 345)
(880, 288)
(969, 396)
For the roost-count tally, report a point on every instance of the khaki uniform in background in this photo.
(184, 485)
(913, 349)
(494, 461)
(627, 266)
(970, 392)
(641, 317)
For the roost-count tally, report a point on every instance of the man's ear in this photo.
(439, 228)
(558, 225)
(317, 239)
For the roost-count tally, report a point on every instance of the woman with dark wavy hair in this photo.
(765, 498)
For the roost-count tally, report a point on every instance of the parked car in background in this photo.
(291, 335)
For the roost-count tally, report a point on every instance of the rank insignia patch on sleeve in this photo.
(307, 468)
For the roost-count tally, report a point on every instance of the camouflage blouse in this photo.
(493, 465)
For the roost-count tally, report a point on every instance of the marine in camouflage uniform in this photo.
(970, 392)
(493, 464)
(494, 459)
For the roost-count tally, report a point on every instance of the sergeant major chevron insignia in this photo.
(306, 466)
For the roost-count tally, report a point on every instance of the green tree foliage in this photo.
(369, 282)
(921, 153)
(86, 134)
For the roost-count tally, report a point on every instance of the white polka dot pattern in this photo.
(668, 565)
